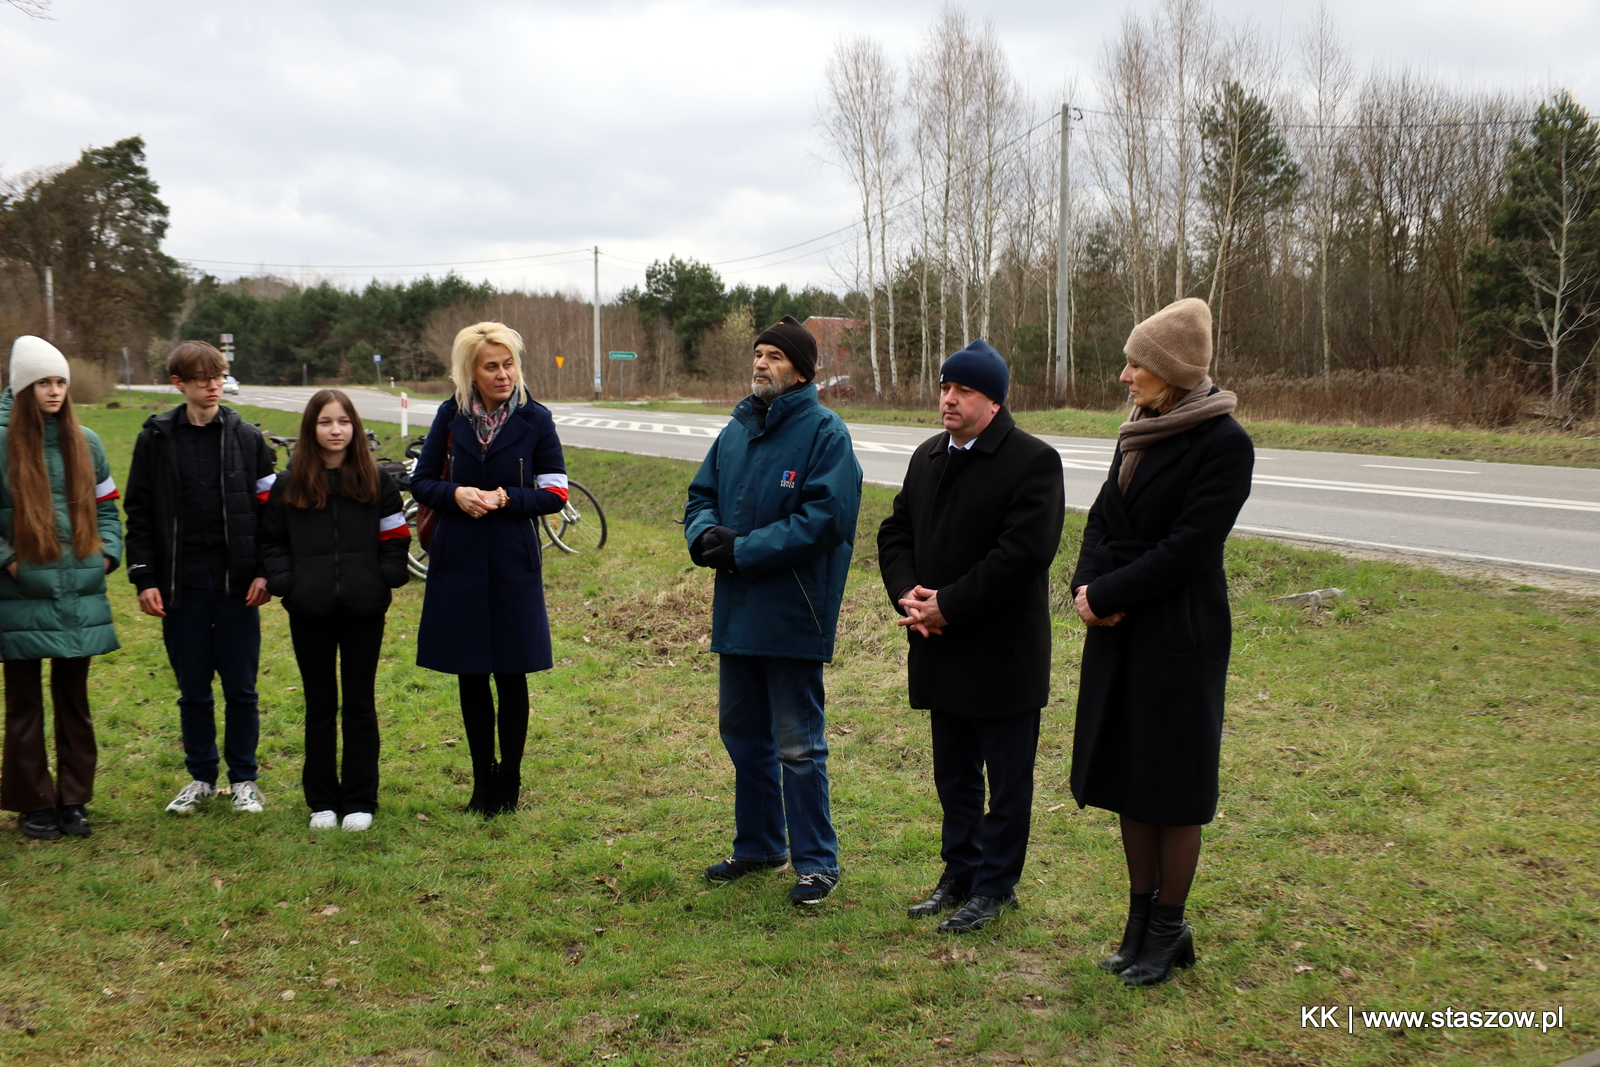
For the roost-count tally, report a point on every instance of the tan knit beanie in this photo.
(1174, 344)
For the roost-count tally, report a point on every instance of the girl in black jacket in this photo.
(333, 543)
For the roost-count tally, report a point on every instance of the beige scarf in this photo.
(1144, 427)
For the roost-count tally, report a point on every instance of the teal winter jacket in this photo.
(57, 609)
(791, 491)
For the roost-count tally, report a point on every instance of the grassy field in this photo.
(1558, 450)
(1409, 789)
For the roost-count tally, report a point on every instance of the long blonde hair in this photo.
(33, 512)
(464, 359)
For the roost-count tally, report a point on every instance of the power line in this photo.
(1449, 124)
(380, 266)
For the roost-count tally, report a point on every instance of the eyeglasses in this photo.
(215, 379)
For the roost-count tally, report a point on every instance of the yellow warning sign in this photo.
(560, 360)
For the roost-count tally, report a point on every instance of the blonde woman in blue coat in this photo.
(59, 536)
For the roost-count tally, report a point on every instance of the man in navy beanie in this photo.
(965, 558)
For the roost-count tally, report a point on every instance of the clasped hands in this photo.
(1080, 601)
(921, 606)
(479, 502)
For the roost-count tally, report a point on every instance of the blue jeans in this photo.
(212, 633)
(772, 726)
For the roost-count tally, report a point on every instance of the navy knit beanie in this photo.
(981, 367)
(794, 341)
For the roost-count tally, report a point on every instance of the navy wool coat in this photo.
(483, 611)
(1149, 732)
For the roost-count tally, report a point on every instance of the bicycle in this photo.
(580, 525)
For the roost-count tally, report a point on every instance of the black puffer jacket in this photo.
(154, 502)
(339, 559)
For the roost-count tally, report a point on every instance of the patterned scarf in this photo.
(1144, 427)
(485, 423)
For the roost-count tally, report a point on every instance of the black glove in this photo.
(714, 549)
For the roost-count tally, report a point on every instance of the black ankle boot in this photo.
(483, 791)
(1168, 943)
(1132, 933)
(507, 789)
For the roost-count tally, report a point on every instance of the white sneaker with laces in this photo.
(358, 820)
(324, 820)
(247, 797)
(190, 796)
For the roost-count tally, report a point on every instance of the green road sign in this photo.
(624, 355)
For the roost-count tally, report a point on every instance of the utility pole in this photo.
(1066, 370)
(597, 322)
(50, 303)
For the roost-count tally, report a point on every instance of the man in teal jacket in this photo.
(773, 510)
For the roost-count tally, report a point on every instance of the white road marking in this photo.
(1458, 495)
(1471, 557)
(1430, 470)
(1069, 460)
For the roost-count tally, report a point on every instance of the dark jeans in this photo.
(25, 783)
(211, 633)
(985, 852)
(478, 722)
(772, 726)
(339, 655)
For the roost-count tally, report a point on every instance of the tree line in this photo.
(1338, 222)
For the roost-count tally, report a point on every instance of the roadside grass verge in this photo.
(1409, 789)
(1552, 449)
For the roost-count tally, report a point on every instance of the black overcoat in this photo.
(1149, 730)
(483, 610)
(982, 527)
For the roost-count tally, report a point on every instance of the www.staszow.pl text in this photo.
(1349, 1018)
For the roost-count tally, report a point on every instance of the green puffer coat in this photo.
(59, 609)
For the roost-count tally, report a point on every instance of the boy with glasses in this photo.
(200, 474)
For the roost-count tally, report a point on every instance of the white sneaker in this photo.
(246, 797)
(190, 796)
(324, 820)
(358, 820)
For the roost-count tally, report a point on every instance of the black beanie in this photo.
(981, 367)
(795, 341)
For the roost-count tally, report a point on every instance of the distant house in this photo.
(835, 356)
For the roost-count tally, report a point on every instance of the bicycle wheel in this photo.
(580, 526)
(417, 556)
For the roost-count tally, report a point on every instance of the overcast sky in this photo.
(367, 137)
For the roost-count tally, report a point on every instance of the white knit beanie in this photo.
(33, 358)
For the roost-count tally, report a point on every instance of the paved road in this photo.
(1509, 515)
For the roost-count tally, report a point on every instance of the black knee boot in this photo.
(483, 790)
(1132, 933)
(1168, 943)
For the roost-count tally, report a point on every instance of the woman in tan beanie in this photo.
(1151, 588)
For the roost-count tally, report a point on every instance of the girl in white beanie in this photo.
(59, 536)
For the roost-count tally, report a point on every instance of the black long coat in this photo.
(483, 610)
(982, 527)
(1149, 730)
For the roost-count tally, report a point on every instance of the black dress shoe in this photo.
(42, 825)
(947, 894)
(1168, 943)
(73, 820)
(1132, 933)
(976, 913)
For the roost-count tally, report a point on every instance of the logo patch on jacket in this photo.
(787, 481)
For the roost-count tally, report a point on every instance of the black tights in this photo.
(478, 719)
(1161, 857)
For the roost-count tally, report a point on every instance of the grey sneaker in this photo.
(190, 796)
(246, 797)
